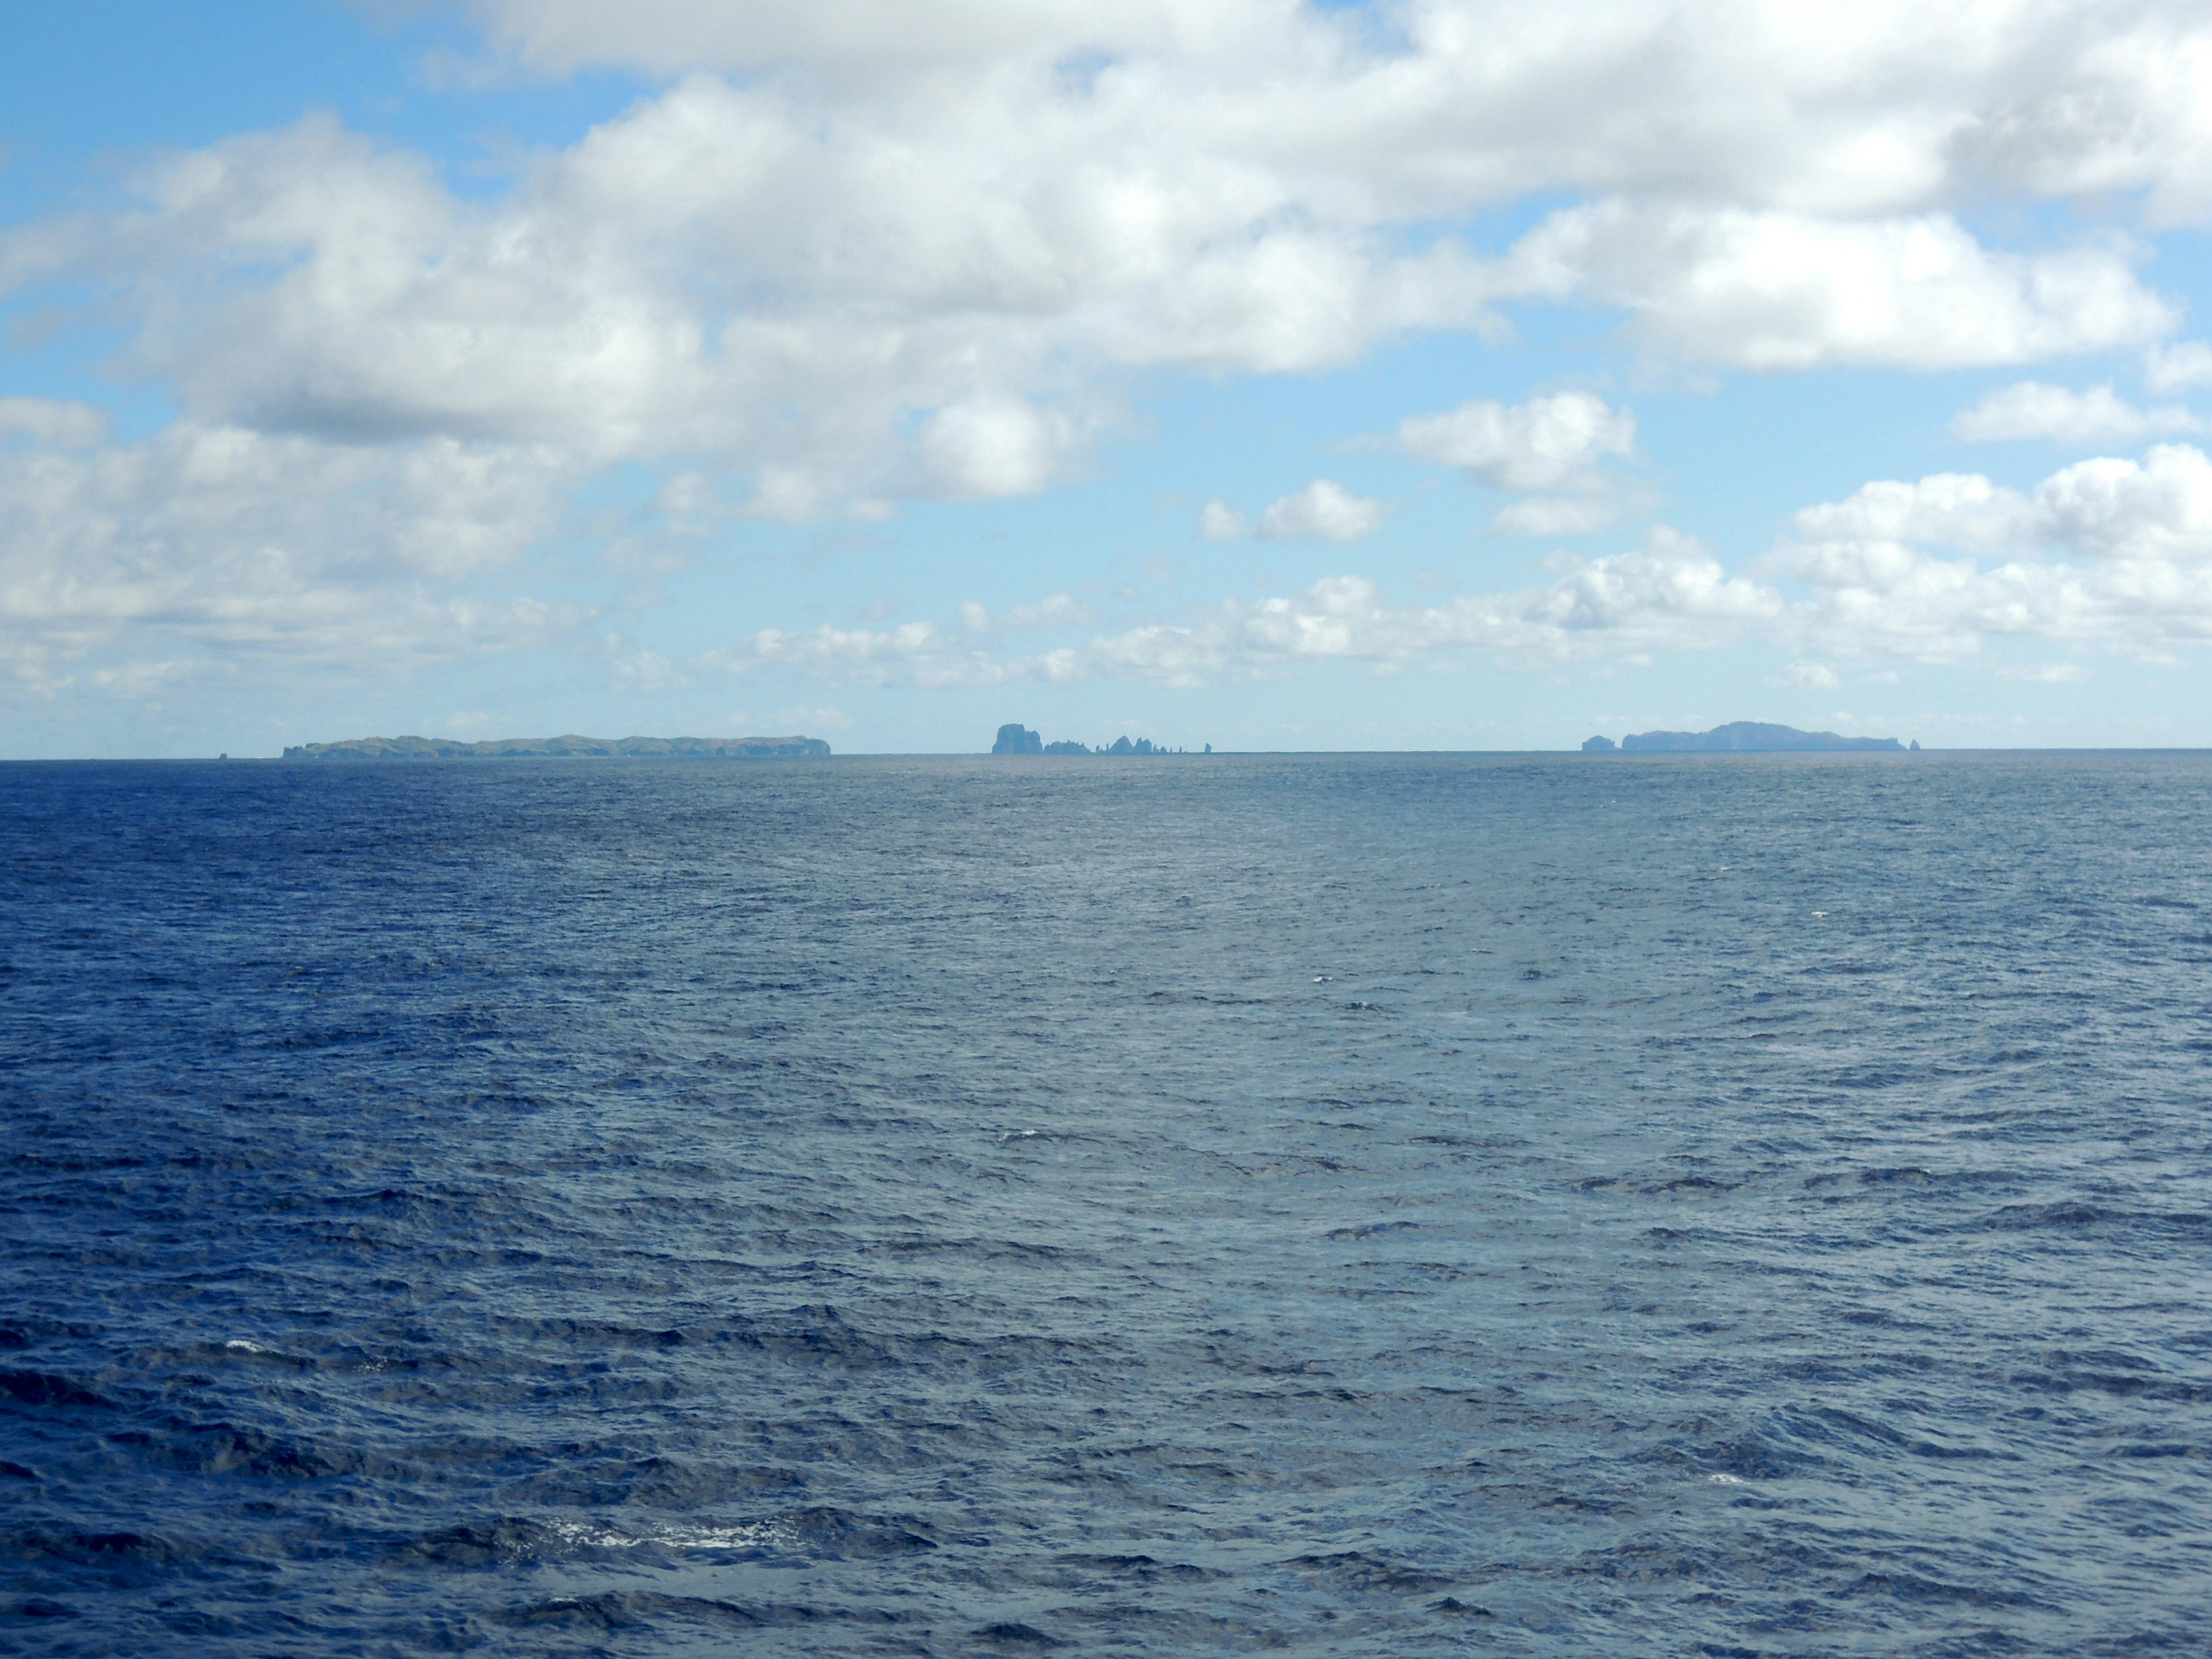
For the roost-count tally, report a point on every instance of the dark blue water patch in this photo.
(1341, 1205)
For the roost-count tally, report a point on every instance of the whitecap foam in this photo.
(740, 1536)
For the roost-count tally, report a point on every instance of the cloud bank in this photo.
(2110, 554)
(837, 259)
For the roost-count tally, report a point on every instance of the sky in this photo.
(1446, 374)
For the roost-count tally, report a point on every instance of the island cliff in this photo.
(567, 747)
(1015, 739)
(1744, 737)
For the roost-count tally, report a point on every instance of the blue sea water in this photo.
(1332, 1206)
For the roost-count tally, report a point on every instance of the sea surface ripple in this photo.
(1333, 1205)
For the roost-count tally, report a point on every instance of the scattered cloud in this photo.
(1670, 593)
(1811, 105)
(1059, 611)
(881, 258)
(2176, 367)
(633, 668)
(2033, 410)
(1556, 516)
(1218, 522)
(833, 259)
(1741, 288)
(1551, 443)
(1324, 511)
(277, 549)
(1547, 443)
(1807, 677)
(798, 718)
(2111, 553)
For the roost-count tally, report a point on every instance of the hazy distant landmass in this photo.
(1744, 737)
(560, 748)
(1015, 739)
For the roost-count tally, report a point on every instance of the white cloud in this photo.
(1324, 511)
(2113, 554)
(53, 421)
(2033, 410)
(1757, 289)
(2155, 510)
(1218, 522)
(1544, 444)
(1807, 677)
(2178, 366)
(1555, 515)
(271, 548)
(2132, 569)
(800, 718)
(1670, 594)
(914, 654)
(2122, 110)
(1820, 105)
(1550, 443)
(835, 258)
(1058, 611)
(1951, 509)
(995, 445)
(907, 256)
(635, 668)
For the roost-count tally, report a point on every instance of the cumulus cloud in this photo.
(1671, 593)
(2112, 553)
(1551, 443)
(1773, 290)
(1543, 444)
(995, 445)
(1820, 106)
(2033, 410)
(213, 539)
(824, 225)
(835, 257)
(1220, 522)
(1807, 677)
(1953, 510)
(1324, 511)
(2175, 368)
(52, 420)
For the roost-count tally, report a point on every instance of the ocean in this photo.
(1366, 1205)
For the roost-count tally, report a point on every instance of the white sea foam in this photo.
(741, 1536)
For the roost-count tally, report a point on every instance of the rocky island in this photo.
(1747, 738)
(1015, 739)
(562, 748)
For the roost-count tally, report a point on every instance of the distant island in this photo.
(562, 748)
(1015, 739)
(1746, 737)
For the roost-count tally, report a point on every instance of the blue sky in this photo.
(1437, 375)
